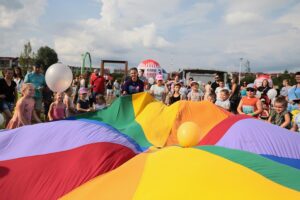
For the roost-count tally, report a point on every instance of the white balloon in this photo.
(1, 119)
(258, 94)
(151, 80)
(272, 93)
(59, 77)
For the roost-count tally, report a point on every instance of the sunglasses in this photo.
(250, 90)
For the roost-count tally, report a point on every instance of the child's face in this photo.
(59, 97)
(70, 92)
(210, 99)
(176, 88)
(83, 96)
(221, 84)
(223, 96)
(29, 92)
(99, 101)
(264, 105)
(195, 87)
(251, 92)
(279, 108)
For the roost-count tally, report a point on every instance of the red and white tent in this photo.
(258, 81)
(151, 68)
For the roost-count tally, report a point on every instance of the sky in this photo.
(205, 34)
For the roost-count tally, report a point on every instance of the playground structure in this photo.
(85, 56)
(114, 62)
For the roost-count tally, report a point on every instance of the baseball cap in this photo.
(83, 90)
(159, 77)
(250, 87)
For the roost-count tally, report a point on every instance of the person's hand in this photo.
(2, 96)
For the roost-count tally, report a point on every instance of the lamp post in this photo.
(241, 61)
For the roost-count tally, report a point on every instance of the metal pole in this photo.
(241, 60)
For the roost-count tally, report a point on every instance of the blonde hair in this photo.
(25, 86)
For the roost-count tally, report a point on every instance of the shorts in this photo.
(110, 92)
(38, 104)
(5, 105)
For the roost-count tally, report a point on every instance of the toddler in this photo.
(83, 105)
(100, 102)
(279, 115)
(68, 101)
(194, 94)
(223, 101)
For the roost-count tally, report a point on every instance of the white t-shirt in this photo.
(224, 104)
(99, 106)
(157, 91)
(194, 96)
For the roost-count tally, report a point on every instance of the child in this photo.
(211, 97)
(221, 87)
(176, 96)
(24, 110)
(279, 115)
(109, 91)
(194, 94)
(224, 102)
(296, 123)
(100, 102)
(265, 114)
(158, 90)
(68, 101)
(83, 105)
(57, 110)
(117, 88)
(250, 105)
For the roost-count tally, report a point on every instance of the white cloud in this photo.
(23, 11)
(291, 18)
(238, 18)
(176, 33)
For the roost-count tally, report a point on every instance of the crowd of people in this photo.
(24, 100)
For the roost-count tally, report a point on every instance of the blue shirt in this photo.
(38, 80)
(132, 87)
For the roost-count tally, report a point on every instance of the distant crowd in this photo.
(27, 99)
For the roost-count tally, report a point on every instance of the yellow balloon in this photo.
(188, 134)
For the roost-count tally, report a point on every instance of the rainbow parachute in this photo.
(109, 154)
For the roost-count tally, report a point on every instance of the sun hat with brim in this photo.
(159, 77)
(83, 91)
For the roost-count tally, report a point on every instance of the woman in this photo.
(18, 78)
(234, 96)
(250, 105)
(264, 88)
(8, 94)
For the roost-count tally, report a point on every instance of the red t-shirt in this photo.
(98, 82)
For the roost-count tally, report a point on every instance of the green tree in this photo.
(27, 57)
(46, 57)
(278, 80)
(249, 78)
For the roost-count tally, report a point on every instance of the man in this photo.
(141, 76)
(97, 83)
(294, 94)
(38, 80)
(215, 84)
(134, 84)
